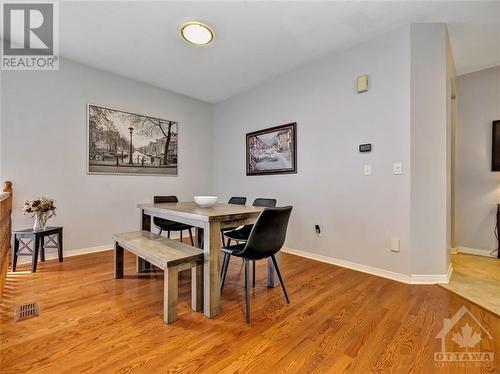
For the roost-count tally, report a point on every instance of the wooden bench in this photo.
(169, 255)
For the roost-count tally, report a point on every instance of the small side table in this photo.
(54, 237)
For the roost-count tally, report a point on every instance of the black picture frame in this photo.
(113, 149)
(289, 134)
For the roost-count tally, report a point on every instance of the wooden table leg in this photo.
(197, 288)
(197, 276)
(170, 292)
(272, 276)
(211, 270)
(199, 237)
(143, 265)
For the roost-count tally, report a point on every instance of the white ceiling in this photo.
(255, 40)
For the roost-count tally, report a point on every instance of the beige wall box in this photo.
(362, 83)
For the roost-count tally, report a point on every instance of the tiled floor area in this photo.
(476, 278)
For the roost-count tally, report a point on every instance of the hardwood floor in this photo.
(339, 320)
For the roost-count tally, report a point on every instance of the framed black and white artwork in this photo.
(121, 142)
(272, 150)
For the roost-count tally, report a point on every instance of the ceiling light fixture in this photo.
(197, 33)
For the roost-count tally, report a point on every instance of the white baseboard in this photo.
(51, 253)
(432, 279)
(409, 279)
(449, 273)
(475, 251)
(350, 265)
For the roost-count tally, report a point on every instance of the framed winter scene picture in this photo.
(121, 142)
(272, 150)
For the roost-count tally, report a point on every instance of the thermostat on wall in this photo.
(365, 147)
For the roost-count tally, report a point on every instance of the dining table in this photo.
(208, 222)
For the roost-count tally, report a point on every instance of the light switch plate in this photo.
(398, 169)
(368, 170)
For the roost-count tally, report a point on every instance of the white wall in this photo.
(477, 188)
(358, 214)
(43, 145)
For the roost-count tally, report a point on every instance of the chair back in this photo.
(237, 200)
(269, 232)
(165, 199)
(266, 203)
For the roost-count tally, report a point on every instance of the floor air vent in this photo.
(25, 311)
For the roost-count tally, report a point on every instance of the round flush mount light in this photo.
(197, 33)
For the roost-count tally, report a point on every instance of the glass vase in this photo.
(40, 222)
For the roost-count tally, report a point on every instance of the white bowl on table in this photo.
(205, 201)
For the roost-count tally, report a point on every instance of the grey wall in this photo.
(404, 115)
(359, 214)
(43, 145)
(1, 134)
(430, 150)
(477, 188)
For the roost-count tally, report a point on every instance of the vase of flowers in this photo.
(41, 210)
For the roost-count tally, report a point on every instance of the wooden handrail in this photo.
(5, 232)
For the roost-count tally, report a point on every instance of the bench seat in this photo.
(169, 255)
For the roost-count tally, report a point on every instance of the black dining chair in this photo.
(266, 239)
(241, 234)
(233, 200)
(167, 225)
(237, 200)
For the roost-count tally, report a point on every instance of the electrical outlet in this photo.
(395, 243)
(317, 228)
(397, 168)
